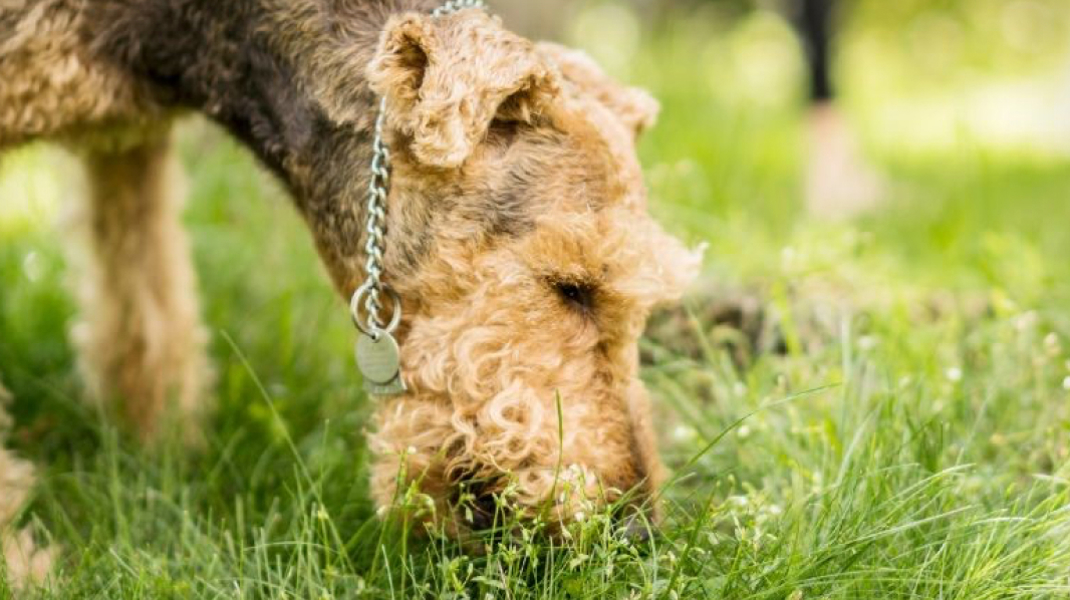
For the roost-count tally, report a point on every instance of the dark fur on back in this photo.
(517, 232)
(250, 65)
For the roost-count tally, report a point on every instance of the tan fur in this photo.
(489, 347)
(50, 85)
(637, 109)
(487, 369)
(514, 172)
(24, 562)
(443, 95)
(139, 335)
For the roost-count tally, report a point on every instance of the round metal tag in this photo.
(378, 360)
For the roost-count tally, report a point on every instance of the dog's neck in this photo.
(284, 77)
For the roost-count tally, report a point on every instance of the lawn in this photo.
(907, 437)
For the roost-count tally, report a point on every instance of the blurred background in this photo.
(920, 75)
(942, 127)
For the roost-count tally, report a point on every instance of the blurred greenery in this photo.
(911, 441)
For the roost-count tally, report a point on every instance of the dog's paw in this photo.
(24, 563)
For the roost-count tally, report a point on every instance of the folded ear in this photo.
(637, 109)
(446, 78)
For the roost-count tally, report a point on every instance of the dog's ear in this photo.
(445, 79)
(637, 109)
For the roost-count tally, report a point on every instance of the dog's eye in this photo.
(576, 294)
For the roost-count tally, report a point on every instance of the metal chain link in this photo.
(378, 186)
(455, 5)
(372, 289)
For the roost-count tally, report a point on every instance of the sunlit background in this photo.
(919, 76)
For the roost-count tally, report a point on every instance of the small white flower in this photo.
(743, 431)
(739, 500)
(954, 374)
(1066, 383)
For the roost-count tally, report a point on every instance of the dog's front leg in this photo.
(139, 333)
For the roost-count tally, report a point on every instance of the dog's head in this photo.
(520, 243)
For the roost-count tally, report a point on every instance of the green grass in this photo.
(912, 442)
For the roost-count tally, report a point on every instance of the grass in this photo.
(913, 441)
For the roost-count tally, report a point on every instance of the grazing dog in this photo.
(518, 238)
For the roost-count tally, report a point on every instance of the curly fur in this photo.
(488, 365)
(52, 84)
(515, 174)
(445, 97)
(490, 346)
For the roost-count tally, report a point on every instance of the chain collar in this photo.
(369, 295)
(457, 5)
(377, 352)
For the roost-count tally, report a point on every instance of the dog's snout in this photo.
(636, 522)
(478, 503)
(637, 529)
(484, 512)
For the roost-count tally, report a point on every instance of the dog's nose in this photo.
(637, 529)
(485, 512)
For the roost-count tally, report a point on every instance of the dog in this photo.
(517, 233)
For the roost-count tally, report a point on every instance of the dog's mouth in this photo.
(486, 513)
(488, 508)
(480, 505)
